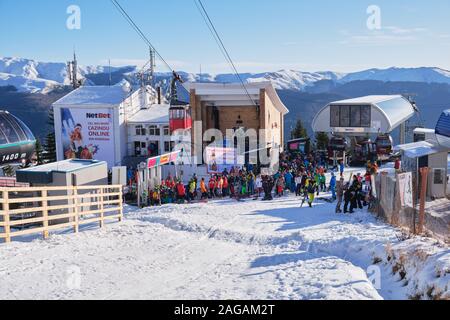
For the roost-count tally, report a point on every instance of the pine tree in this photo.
(39, 153)
(50, 141)
(322, 141)
(299, 131)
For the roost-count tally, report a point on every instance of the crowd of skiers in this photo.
(238, 184)
(304, 176)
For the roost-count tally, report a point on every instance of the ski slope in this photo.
(219, 250)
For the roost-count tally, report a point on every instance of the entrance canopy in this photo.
(365, 115)
(420, 149)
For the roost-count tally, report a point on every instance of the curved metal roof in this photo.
(443, 129)
(13, 130)
(395, 110)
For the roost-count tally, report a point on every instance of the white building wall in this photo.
(147, 139)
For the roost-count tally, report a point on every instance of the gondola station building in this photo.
(229, 107)
(126, 127)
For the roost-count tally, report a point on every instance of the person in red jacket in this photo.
(211, 185)
(398, 165)
(181, 192)
(225, 186)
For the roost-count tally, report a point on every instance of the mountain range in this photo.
(28, 88)
(31, 76)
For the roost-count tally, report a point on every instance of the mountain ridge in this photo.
(32, 76)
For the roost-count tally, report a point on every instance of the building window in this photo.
(166, 131)
(153, 148)
(168, 146)
(140, 131)
(350, 116)
(154, 131)
(140, 148)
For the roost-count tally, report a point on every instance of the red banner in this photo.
(163, 160)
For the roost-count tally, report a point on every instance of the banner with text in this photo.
(88, 134)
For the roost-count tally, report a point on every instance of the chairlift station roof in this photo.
(377, 114)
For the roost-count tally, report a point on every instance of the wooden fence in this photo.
(26, 211)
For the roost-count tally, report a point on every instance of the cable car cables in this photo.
(223, 49)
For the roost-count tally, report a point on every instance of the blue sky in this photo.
(261, 35)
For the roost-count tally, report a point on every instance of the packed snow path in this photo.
(219, 250)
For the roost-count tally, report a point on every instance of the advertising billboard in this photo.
(88, 134)
(218, 159)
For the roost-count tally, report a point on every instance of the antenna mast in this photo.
(72, 71)
(152, 67)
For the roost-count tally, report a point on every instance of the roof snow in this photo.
(96, 95)
(420, 149)
(368, 99)
(156, 114)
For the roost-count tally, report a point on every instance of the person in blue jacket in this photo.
(288, 180)
(333, 186)
(342, 168)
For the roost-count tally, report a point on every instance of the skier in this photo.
(191, 190)
(348, 196)
(323, 182)
(203, 189)
(298, 185)
(341, 168)
(311, 192)
(339, 194)
(181, 192)
(211, 184)
(267, 186)
(258, 186)
(333, 186)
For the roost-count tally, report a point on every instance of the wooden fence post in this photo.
(423, 198)
(6, 215)
(121, 203)
(45, 213)
(102, 208)
(75, 202)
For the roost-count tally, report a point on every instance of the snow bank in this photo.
(222, 250)
(424, 267)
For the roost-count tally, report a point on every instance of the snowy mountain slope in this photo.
(27, 85)
(427, 75)
(32, 76)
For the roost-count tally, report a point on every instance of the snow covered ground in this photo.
(224, 250)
